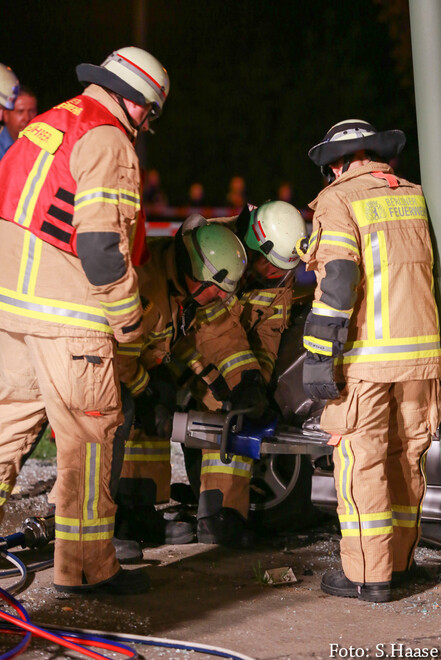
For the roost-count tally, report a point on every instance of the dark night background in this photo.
(254, 83)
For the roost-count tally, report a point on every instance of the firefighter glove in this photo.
(145, 416)
(318, 377)
(251, 393)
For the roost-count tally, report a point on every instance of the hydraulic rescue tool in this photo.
(234, 433)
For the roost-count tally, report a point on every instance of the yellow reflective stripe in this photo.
(403, 508)
(5, 491)
(389, 209)
(162, 334)
(91, 481)
(121, 307)
(265, 360)
(139, 382)
(29, 263)
(341, 239)
(147, 451)
(321, 309)
(226, 470)
(96, 195)
(130, 197)
(369, 270)
(130, 348)
(278, 314)
(34, 183)
(312, 241)
(55, 311)
(384, 285)
(315, 345)
(240, 466)
(236, 360)
(391, 349)
(345, 476)
(377, 531)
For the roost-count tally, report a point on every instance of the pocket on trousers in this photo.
(92, 377)
(341, 415)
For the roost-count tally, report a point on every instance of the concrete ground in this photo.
(208, 595)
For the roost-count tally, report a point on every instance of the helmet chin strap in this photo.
(137, 127)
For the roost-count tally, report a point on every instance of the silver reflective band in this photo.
(34, 182)
(404, 348)
(350, 134)
(99, 194)
(139, 72)
(47, 309)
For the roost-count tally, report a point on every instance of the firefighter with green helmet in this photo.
(240, 372)
(183, 278)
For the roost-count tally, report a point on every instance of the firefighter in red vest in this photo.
(68, 294)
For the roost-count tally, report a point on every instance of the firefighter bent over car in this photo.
(371, 354)
(180, 281)
(68, 207)
(243, 360)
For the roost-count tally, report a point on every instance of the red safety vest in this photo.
(37, 188)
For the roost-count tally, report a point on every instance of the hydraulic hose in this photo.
(75, 638)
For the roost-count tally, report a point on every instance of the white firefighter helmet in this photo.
(351, 135)
(274, 229)
(216, 254)
(134, 74)
(9, 87)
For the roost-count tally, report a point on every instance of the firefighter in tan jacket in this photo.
(68, 294)
(182, 281)
(376, 361)
(262, 309)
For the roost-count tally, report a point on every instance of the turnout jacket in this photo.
(372, 254)
(87, 287)
(203, 344)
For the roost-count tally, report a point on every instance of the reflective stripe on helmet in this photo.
(124, 61)
(208, 263)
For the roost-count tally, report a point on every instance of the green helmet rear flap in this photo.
(216, 256)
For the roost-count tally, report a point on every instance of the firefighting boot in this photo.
(127, 551)
(415, 573)
(124, 582)
(226, 527)
(336, 583)
(147, 525)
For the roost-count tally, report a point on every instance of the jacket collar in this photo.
(103, 96)
(372, 166)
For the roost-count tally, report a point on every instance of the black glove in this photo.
(318, 377)
(145, 416)
(251, 393)
(220, 389)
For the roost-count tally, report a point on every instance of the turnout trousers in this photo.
(71, 382)
(383, 431)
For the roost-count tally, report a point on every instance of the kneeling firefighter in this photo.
(262, 309)
(183, 276)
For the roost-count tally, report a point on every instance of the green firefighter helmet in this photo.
(216, 255)
(274, 229)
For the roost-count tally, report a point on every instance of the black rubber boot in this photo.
(336, 583)
(122, 583)
(413, 574)
(127, 552)
(227, 527)
(145, 524)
